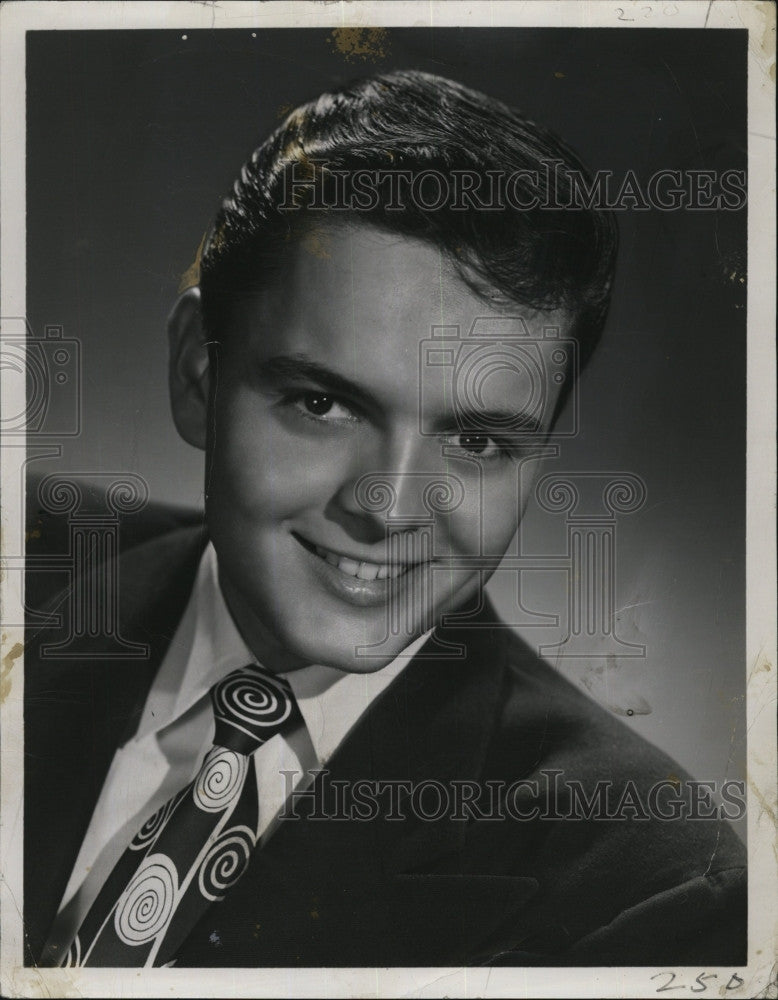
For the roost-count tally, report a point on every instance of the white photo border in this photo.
(760, 976)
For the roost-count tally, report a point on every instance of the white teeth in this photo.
(362, 570)
(367, 571)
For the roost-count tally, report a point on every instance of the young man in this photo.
(394, 302)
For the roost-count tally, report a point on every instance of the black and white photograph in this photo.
(388, 467)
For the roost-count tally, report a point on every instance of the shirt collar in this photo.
(204, 649)
(207, 646)
(332, 700)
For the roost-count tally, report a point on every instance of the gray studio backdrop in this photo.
(133, 137)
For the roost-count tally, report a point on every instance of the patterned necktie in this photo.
(197, 846)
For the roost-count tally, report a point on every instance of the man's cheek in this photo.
(270, 478)
(486, 522)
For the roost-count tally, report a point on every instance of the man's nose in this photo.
(403, 484)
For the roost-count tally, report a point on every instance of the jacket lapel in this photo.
(77, 711)
(330, 888)
(322, 891)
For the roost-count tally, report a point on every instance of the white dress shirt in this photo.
(176, 731)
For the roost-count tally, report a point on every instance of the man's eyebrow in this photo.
(295, 367)
(300, 366)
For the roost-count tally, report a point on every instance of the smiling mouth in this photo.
(362, 570)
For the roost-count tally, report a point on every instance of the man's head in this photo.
(356, 488)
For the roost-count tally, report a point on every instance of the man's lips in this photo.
(359, 568)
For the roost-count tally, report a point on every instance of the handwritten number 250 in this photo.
(734, 981)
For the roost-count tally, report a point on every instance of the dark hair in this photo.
(547, 256)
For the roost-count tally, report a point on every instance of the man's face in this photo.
(324, 380)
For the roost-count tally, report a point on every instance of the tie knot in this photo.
(250, 706)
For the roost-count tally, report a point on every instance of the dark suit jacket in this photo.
(544, 892)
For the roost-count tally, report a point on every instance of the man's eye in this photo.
(322, 406)
(476, 445)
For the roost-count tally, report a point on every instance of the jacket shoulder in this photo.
(635, 862)
(51, 560)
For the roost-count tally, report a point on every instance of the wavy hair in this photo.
(541, 257)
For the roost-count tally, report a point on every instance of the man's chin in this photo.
(358, 659)
(364, 644)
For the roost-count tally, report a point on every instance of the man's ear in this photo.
(189, 370)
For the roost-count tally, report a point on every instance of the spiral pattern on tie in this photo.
(149, 901)
(220, 779)
(252, 701)
(73, 957)
(226, 861)
(153, 826)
